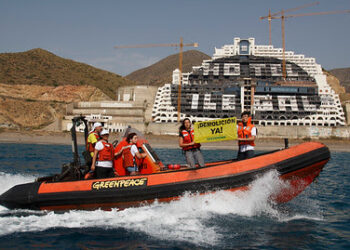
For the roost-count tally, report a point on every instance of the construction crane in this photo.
(269, 16)
(180, 45)
(283, 17)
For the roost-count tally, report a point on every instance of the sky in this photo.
(87, 30)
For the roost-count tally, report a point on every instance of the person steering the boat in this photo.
(93, 138)
(246, 137)
(189, 147)
(102, 162)
(130, 152)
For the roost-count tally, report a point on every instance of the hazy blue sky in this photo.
(87, 30)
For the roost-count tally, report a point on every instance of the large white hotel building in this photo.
(244, 76)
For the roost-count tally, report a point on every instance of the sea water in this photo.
(319, 218)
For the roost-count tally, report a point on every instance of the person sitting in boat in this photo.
(189, 147)
(130, 152)
(102, 162)
(93, 138)
(246, 136)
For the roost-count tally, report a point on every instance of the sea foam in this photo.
(185, 219)
(9, 180)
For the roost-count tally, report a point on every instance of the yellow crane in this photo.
(180, 45)
(283, 17)
(269, 16)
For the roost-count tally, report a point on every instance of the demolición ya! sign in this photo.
(215, 130)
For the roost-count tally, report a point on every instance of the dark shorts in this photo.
(245, 155)
(104, 172)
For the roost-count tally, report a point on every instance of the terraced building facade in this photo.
(248, 77)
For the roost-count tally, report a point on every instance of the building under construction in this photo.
(246, 77)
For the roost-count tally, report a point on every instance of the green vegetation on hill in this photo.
(343, 74)
(162, 71)
(40, 67)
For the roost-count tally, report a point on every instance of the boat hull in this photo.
(298, 165)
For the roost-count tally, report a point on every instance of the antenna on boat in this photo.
(286, 143)
(76, 158)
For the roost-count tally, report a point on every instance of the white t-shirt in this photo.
(104, 164)
(133, 150)
(244, 148)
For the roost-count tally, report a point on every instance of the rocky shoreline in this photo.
(159, 141)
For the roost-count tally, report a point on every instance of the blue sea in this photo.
(319, 218)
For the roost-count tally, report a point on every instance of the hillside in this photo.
(343, 74)
(40, 67)
(33, 106)
(337, 87)
(161, 72)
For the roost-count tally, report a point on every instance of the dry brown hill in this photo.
(31, 106)
(40, 67)
(337, 87)
(343, 74)
(161, 72)
(339, 80)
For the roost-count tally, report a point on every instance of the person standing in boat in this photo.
(93, 138)
(102, 162)
(246, 137)
(189, 147)
(130, 153)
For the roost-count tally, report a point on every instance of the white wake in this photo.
(181, 220)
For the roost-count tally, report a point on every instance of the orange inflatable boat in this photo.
(298, 165)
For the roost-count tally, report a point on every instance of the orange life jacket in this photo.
(245, 132)
(118, 161)
(91, 146)
(128, 159)
(106, 154)
(188, 137)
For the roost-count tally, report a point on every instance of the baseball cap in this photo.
(104, 132)
(97, 124)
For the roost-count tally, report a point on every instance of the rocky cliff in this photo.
(33, 107)
(337, 87)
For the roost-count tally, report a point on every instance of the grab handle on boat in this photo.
(286, 143)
